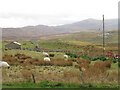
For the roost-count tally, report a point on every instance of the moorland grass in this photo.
(49, 84)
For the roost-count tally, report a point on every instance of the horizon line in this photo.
(56, 24)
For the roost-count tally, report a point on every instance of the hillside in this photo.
(90, 37)
(36, 32)
(92, 24)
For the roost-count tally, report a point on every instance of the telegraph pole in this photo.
(103, 37)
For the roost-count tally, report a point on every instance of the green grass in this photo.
(26, 52)
(43, 84)
(114, 66)
(33, 54)
(71, 42)
(48, 44)
(91, 37)
(79, 38)
(49, 84)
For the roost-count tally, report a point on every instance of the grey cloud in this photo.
(35, 19)
(34, 16)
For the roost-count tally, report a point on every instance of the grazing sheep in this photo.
(66, 57)
(4, 64)
(46, 59)
(45, 54)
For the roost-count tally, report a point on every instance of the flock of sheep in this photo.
(45, 54)
(47, 58)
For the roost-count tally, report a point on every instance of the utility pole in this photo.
(103, 38)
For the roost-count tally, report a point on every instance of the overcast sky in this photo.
(18, 13)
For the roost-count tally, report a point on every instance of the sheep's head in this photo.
(8, 67)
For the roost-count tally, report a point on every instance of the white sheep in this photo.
(45, 54)
(66, 56)
(4, 64)
(46, 59)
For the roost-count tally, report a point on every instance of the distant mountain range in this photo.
(35, 32)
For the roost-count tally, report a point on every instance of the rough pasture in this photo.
(56, 70)
(22, 59)
(25, 63)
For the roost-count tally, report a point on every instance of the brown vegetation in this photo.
(24, 60)
(105, 64)
(42, 70)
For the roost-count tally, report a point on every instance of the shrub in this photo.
(79, 61)
(42, 63)
(85, 56)
(10, 59)
(73, 59)
(62, 63)
(28, 62)
(119, 64)
(102, 64)
(72, 55)
(114, 60)
(51, 55)
(22, 56)
(82, 64)
(102, 58)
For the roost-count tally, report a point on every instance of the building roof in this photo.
(16, 43)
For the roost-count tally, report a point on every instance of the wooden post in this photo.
(33, 78)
